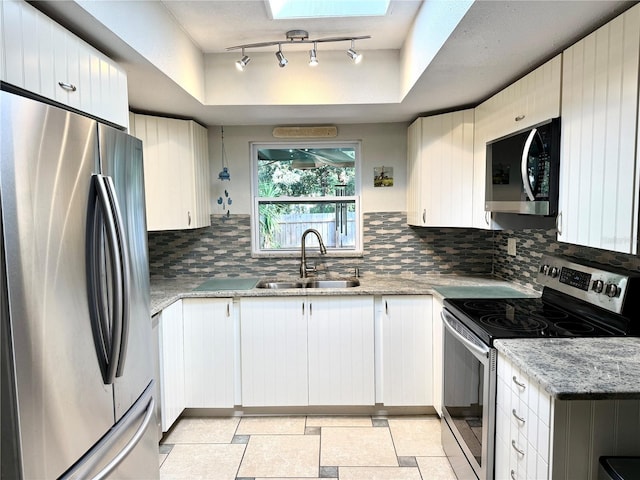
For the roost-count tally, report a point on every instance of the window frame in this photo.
(357, 250)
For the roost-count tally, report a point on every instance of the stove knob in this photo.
(598, 286)
(544, 269)
(611, 290)
(554, 272)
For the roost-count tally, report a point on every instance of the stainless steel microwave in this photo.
(523, 170)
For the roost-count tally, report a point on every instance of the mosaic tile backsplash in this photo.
(532, 244)
(390, 246)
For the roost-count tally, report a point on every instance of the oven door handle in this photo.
(482, 351)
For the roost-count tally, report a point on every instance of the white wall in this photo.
(383, 144)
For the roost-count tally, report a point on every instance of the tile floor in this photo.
(345, 448)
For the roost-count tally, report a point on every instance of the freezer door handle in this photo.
(149, 411)
(95, 459)
(109, 307)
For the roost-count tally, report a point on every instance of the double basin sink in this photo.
(313, 283)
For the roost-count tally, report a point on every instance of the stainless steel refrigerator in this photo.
(77, 392)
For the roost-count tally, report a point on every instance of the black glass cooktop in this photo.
(492, 319)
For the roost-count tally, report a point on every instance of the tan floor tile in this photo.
(203, 430)
(435, 468)
(416, 436)
(380, 473)
(200, 462)
(339, 421)
(281, 456)
(357, 447)
(271, 426)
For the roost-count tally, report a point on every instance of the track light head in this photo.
(313, 55)
(355, 56)
(243, 62)
(282, 61)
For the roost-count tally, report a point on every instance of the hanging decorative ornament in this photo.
(224, 174)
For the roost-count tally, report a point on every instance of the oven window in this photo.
(463, 394)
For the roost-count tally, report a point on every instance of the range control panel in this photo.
(595, 284)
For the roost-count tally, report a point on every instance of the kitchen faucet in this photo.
(304, 270)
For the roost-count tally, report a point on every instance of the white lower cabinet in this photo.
(407, 354)
(171, 364)
(539, 437)
(341, 350)
(273, 343)
(299, 351)
(438, 355)
(209, 353)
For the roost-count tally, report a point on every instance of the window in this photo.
(299, 186)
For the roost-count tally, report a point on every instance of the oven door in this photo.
(468, 404)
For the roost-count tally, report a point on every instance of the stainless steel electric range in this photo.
(579, 299)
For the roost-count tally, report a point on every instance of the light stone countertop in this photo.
(579, 368)
(166, 291)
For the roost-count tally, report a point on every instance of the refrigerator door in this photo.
(121, 161)
(47, 160)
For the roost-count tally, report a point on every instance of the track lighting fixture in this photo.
(355, 56)
(243, 62)
(313, 55)
(299, 36)
(282, 61)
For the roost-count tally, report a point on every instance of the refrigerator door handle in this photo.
(125, 273)
(104, 217)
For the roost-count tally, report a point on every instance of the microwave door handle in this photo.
(523, 165)
(478, 350)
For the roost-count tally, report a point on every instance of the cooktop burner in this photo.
(528, 318)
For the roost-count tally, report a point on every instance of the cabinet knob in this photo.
(189, 218)
(424, 216)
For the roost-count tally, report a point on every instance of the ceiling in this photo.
(496, 42)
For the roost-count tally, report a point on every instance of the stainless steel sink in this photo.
(276, 284)
(333, 283)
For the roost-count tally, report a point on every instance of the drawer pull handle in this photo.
(513, 444)
(520, 419)
(519, 117)
(67, 86)
(513, 475)
(521, 385)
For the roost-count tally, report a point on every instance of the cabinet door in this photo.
(440, 170)
(438, 340)
(598, 205)
(341, 350)
(176, 172)
(416, 211)
(209, 354)
(274, 351)
(407, 351)
(447, 169)
(44, 58)
(171, 364)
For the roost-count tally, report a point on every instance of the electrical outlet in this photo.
(511, 247)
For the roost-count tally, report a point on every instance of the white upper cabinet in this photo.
(529, 101)
(176, 172)
(42, 57)
(440, 170)
(598, 204)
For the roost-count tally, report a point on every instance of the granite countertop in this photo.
(579, 368)
(166, 291)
